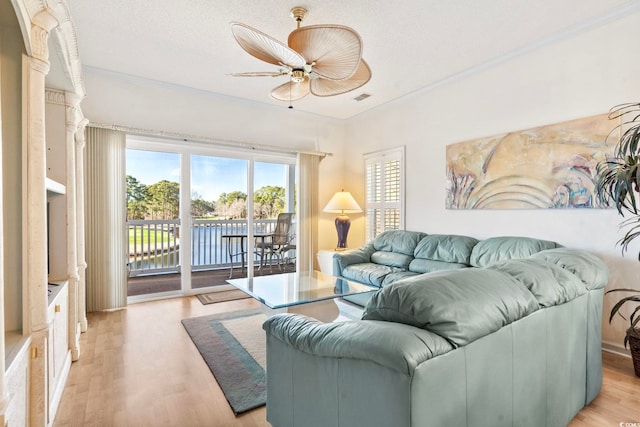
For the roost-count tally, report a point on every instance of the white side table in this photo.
(325, 261)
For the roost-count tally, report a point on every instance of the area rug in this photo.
(222, 293)
(233, 346)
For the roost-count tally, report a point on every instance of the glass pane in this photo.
(270, 190)
(153, 209)
(218, 209)
(274, 217)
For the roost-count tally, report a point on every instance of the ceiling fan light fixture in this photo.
(298, 14)
(297, 75)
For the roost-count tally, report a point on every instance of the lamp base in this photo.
(343, 223)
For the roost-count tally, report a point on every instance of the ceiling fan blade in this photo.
(335, 49)
(260, 74)
(291, 91)
(264, 47)
(324, 87)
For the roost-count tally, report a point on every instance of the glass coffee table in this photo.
(310, 293)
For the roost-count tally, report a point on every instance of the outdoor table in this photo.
(243, 237)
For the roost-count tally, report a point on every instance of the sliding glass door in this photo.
(153, 223)
(189, 216)
(274, 195)
(218, 219)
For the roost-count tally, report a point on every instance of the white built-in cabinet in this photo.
(58, 353)
(41, 265)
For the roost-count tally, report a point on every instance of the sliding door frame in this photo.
(186, 149)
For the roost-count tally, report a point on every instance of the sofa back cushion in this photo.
(446, 248)
(398, 241)
(590, 269)
(459, 305)
(496, 249)
(421, 265)
(367, 273)
(550, 285)
(391, 259)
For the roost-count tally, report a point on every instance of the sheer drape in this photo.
(307, 218)
(105, 224)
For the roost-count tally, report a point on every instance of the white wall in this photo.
(574, 78)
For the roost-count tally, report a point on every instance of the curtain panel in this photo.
(307, 197)
(105, 224)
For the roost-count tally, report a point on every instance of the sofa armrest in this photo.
(394, 345)
(354, 256)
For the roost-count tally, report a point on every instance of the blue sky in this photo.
(210, 176)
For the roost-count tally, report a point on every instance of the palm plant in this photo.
(619, 183)
(619, 180)
(634, 319)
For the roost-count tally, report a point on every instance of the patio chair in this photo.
(289, 252)
(278, 243)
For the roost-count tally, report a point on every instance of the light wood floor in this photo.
(138, 367)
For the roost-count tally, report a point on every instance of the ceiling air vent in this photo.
(361, 97)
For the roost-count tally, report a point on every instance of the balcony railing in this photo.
(154, 245)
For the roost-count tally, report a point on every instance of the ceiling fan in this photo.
(324, 60)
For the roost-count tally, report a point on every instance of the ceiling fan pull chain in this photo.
(290, 106)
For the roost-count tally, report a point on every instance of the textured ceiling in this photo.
(409, 45)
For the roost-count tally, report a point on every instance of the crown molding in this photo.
(54, 96)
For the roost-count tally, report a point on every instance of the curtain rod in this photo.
(195, 138)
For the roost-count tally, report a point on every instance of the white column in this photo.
(72, 118)
(35, 69)
(81, 263)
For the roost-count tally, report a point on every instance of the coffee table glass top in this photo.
(288, 289)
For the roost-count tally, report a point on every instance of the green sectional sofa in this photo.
(397, 254)
(509, 334)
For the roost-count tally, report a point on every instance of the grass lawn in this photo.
(145, 236)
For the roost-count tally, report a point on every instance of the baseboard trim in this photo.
(615, 349)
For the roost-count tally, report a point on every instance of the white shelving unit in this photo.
(41, 126)
(54, 188)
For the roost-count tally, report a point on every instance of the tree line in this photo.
(162, 201)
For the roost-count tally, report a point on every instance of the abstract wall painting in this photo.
(549, 167)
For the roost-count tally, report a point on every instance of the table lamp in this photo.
(342, 203)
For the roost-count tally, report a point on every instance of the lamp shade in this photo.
(342, 202)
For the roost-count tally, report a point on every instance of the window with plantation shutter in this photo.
(385, 191)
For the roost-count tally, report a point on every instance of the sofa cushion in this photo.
(391, 259)
(395, 346)
(353, 256)
(446, 247)
(459, 305)
(398, 275)
(399, 241)
(593, 272)
(549, 284)
(420, 265)
(495, 249)
(368, 273)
